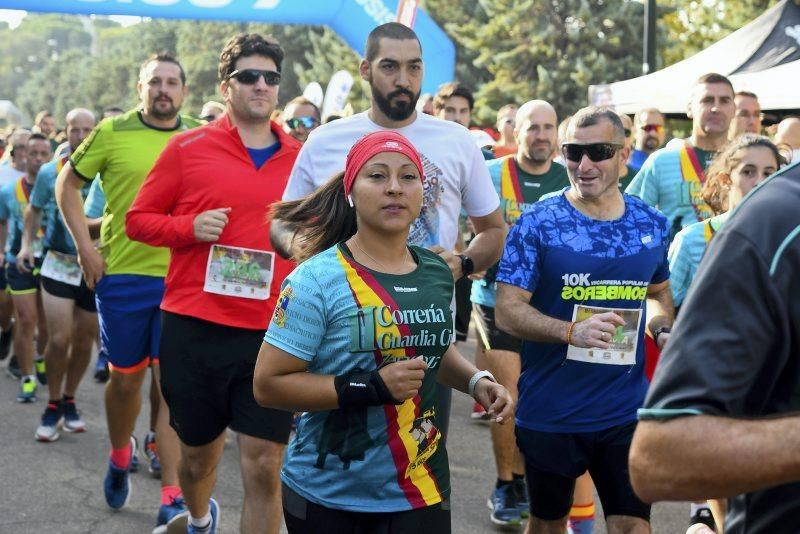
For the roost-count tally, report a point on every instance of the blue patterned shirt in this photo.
(566, 259)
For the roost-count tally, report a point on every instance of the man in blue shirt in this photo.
(577, 273)
(68, 304)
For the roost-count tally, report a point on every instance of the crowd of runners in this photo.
(308, 286)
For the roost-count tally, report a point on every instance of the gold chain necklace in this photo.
(364, 252)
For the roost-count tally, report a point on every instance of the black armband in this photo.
(358, 389)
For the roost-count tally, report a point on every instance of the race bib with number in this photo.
(239, 272)
(62, 268)
(622, 349)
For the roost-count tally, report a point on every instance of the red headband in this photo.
(376, 143)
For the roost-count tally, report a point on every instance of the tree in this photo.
(690, 27)
(551, 50)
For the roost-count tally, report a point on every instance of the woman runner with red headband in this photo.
(358, 342)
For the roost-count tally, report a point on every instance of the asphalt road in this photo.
(57, 487)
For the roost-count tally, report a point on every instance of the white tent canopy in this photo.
(762, 57)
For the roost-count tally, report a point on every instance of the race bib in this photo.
(239, 272)
(62, 268)
(622, 349)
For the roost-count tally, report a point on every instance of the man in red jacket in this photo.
(207, 199)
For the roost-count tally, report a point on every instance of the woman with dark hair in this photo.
(739, 167)
(358, 341)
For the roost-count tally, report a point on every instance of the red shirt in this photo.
(200, 170)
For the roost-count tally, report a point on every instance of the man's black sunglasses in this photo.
(595, 151)
(250, 76)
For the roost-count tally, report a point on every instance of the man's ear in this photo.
(364, 70)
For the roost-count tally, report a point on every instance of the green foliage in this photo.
(507, 51)
(551, 50)
(689, 27)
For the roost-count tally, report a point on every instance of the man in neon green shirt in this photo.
(128, 277)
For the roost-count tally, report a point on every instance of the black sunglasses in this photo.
(595, 151)
(250, 76)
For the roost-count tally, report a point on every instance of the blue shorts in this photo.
(21, 282)
(128, 308)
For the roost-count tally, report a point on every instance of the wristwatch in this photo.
(467, 267)
(661, 330)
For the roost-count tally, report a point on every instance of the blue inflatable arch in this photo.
(351, 19)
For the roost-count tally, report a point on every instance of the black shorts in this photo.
(553, 461)
(305, 517)
(82, 295)
(463, 307)
(21, 282)
(3, 282)
(207, 382)
(498, 339)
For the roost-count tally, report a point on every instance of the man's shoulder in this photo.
(495, 165)
(666, 155)
(643, 210)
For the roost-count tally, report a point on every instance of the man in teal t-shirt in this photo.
(521, 180)
(672, 178)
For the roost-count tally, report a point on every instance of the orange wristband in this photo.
(569, 332)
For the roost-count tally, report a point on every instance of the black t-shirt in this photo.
(735, 349)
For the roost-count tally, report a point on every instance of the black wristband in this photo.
(359, 389)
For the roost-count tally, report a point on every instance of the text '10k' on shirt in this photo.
(574, 267)
(518, 191)
(122, 150)
(455, 171)
(341, 317)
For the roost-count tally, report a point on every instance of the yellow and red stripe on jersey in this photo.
(413, 477)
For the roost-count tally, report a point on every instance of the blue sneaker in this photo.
(521, 496)
(504, 506)
(212, 527)
(151, 452)
(117, 486)
(27, 390)
(51, 419)
(167, 514)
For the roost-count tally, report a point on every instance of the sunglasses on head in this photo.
(595, 151)
(657, 128)
(250, 76)
(306, 122)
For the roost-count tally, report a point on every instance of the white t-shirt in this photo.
(9, 174)
(455, 171)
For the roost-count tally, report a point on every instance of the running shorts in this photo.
(82, 295)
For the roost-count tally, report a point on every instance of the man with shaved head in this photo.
(69, 307)
(521, 180)
(787, 138)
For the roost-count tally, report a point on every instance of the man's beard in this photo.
(398, 111)
(157, 113)
(539, 154)
(651, 143)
